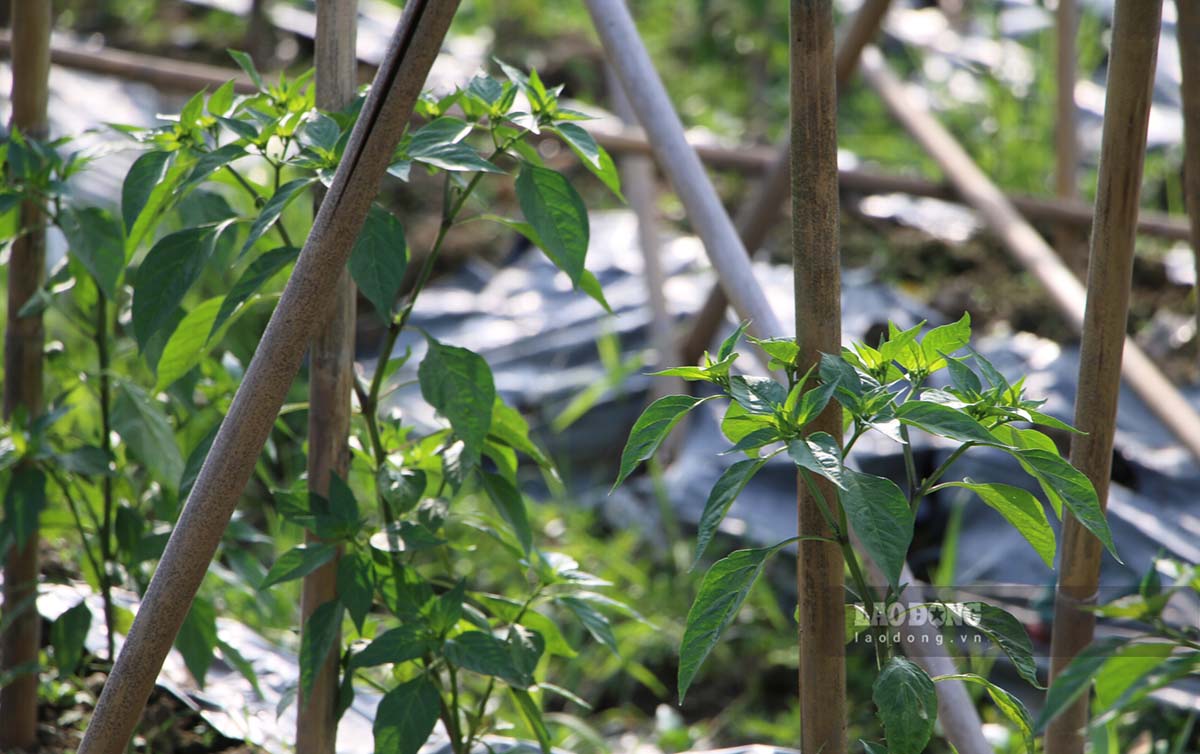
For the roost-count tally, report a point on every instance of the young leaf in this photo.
(944, 341)
(1022, 510)
(1011, 706)
(94, 238)
(558, 216)
(379, 260)
(879, 513)
(907, 704)
(165, 276)
(721, 595)
(722, 496)
(458, 383)
(651, 428)
(142, 425)
(246, 64)
(511, 507)
(943, 421)
(320, 634)
(262, 269)
(274, 207)
(406, 716)
(592, 155)
(197, 639)
(67, 635)
(146, 173)
(298, 562)
(730, 343)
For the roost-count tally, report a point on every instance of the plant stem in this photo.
(73, 506)
(106, 554)
(927, 485)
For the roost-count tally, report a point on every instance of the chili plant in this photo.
(882, 389)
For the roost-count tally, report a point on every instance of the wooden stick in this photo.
(628, 57)
(1024, 243)
(816, 266)
(305, 303)
(330, 379)
(23, 341)
(172, 75)
(1066, 142)
(1188, 31)
(757, 214)
(1110, 274)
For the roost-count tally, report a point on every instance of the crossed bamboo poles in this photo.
(307, 300)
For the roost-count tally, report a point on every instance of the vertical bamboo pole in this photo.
(1066, 143)
(1110, 272)
(23, 339)
(816, 264)
(305, 304)
(1188, 31)
(330, 379)
(758, 212)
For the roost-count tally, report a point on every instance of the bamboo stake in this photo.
(171, 75)
(23, 341)
(1188, 31)
(757, 214)
(1066, 142)
(1110, 272)
(1024, 243)
(628, 57)
(816, 265)
(330, 377)
(305, 303)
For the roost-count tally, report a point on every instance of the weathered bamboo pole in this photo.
(1024, 243)
(23, 341)
(305, 304)
(628, 57)
(330, 378)
(1070, 245)
(757, 214)
(1110, 273)
(1188, 31)
(817, 269)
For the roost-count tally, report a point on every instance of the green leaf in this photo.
(591, 286)
(651, 428)
(943, 421)
(721, 595)
(511, 507)
(1002, 629)
(160, 197)
(379, 260)
(820, 454)
(321, 131)
(67, 635)
(558, 216)
(458, 383)
(1022, 510)
(165, 276)
(907, 704)
(356, 585)
(406, 716)
(274, 207)
(143, 426)
(396, 645)
(212, 161)
(1075, 490)
(1126, 667)
(243, 60)
(730, 343)
(483, 653)
(94, 238)
(402, 488)
(1076, 678)
(221, 99)
(592, 155)
(188, 345)
(262, 269)
(321, 632)
(593, 620)
(532, 714)
(146, 173)
(1008, 704)
(405, 536)
(24, 500)
(720, 498)
(879, 513)
(758, 395)
(944, 341)
(738, 423)
(963, 378)
(298, 562)
(197, 639)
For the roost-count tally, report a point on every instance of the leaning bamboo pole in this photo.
(1110, 272)
(757, 214)
(330, 379)
(172, 75)
(817, 269)
(1029, 249)
(23, 340)
(305, 304)
(1066, 141)
(1188, 31)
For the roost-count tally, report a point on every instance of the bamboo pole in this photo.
(1024, 243)
(1070, 245)
(1110, 273)
(757, 214)
(628, 57)
(330, 378)
(23, 341)
(305, 304)
(171, 75)
(816, 266)
(1188, 31)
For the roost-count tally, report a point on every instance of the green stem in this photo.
(74, 508)
(927, 485)
(106, 553)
